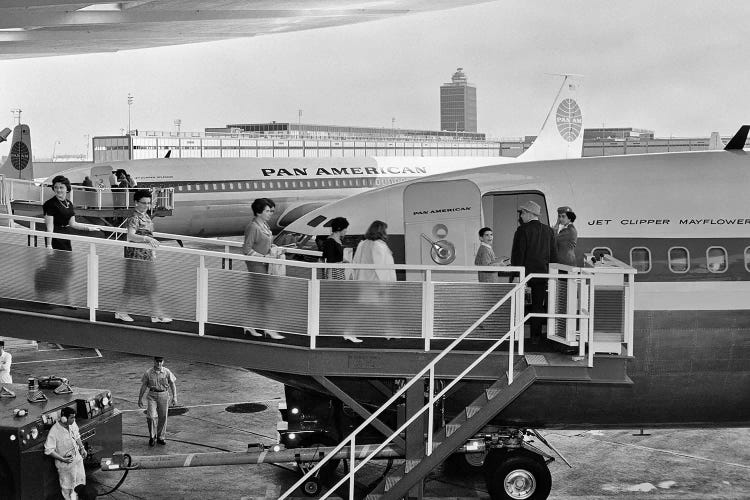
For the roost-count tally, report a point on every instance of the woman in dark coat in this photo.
(566, 236)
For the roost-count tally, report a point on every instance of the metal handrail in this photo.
(430, 367)
(266, 260)
(163, 195)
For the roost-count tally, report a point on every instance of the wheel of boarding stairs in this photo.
(517, 475)
(328, 472)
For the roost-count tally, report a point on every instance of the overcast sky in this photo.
(676, 67)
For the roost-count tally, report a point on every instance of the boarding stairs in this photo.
(522, 372)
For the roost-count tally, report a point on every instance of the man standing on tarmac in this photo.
(5, 361)
(158, 381)
(534, 248)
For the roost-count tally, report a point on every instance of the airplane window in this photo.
(262, 185)
(188, 187)
(205, 186)
(716, 259)
(294, 184)
(197, 187)
(640, 259)
(679, 260)
(215, 188)
(599, 251)
(747, 259)
(179, 188)
(231, 186)
(223, 186)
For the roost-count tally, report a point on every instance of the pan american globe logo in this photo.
(19, 155)
(569, 120)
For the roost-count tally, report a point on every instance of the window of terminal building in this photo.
(640, 259)
(679, 260)
(716, 259)
(747, 259)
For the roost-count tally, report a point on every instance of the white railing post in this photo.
(591, 324)
(583, 323)
(351, 466)
(99, 198)
(431, 411)
(92, 282)
(511, 355)
(428, 309)
(313, 307)
(629, 312)
(201, 312)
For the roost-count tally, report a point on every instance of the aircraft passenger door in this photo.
(441, 221)
(501, 214)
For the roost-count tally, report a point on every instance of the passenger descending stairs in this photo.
(466, 424)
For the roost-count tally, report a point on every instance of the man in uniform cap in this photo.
(534, 248)
(158, 381)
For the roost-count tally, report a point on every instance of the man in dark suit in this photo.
(534, 248)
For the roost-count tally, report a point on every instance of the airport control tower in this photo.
(458, 104)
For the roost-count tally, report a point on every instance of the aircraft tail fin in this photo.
(561, 136)
(739, 139)
(19, 164)
(4, 134)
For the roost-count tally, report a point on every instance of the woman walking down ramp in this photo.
(140, 274)
(258, 243)
(333, 249)
(60, 216)
(374, 250)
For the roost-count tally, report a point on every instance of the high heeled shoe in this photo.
(274, 334)
(253, 332)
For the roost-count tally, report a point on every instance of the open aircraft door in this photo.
(441, 220)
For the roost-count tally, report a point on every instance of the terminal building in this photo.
(290, 140)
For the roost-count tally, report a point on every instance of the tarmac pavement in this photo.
(668, 464)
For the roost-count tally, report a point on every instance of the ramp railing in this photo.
(200, 285)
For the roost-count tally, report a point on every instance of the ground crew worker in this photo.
(158, 381)
(65, 446)
(5, 361)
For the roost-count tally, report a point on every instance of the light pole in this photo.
(54, 148)
(299, 122)
(393, 126)
(177, 123)
(87, 137)
(130, 104)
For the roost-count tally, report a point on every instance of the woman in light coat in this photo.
(374, 250)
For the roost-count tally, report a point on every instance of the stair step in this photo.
(391, 480)
(451, 428)
(472, 410)
(374, 496)
(492, 392)
(436, 445)
(410, 464)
